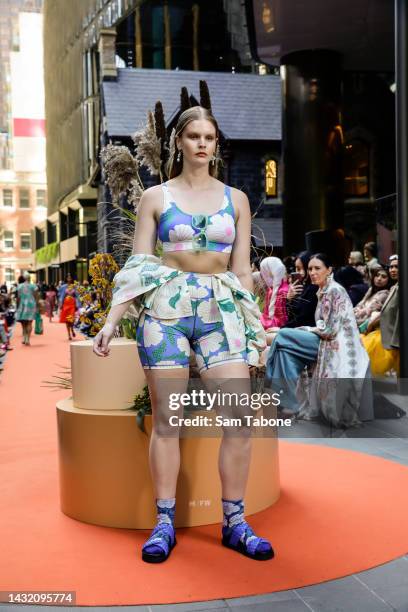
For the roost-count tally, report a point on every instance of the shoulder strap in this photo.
(227, 191)
(166, 197)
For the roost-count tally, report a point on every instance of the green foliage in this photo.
(47, 253)
(128, 327)
(143, 406)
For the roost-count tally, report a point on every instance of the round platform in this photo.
(105, 477)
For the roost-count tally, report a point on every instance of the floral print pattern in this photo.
(163, 293)
(341, 353)
(176, 230)
(164, 346)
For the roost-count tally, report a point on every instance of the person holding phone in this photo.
(301, 298)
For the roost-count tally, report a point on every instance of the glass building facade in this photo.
(182, 34)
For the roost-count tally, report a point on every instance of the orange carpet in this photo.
(340, 512)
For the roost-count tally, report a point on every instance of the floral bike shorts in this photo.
(166, 343)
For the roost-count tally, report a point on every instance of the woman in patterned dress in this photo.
(341, 383)
(27, 305)
(374, 299)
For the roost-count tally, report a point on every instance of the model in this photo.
(197, 297)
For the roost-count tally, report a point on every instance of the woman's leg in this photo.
(161, 345)
(29, 329)
(234, 462)
(291, 351)
(235, 448)
(67, 325)
(24, 331)
(164, 451)
(164, 460)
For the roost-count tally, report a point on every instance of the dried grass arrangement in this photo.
(154, 144)
(120, 169)
(148, 146)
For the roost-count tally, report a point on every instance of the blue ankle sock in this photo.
(166, 509)
(234, 515)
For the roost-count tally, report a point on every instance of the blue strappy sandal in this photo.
(242, 539)
(163, 537)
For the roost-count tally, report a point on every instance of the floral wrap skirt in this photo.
(219, 317)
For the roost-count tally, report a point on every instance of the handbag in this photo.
(38, 327)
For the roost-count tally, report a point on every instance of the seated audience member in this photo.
(255, 264)
(356, 259)
(353, 282)
(289, 263)
(382, 339)
(370, 254)
(273, 273)
(301, 298)
(341, 380)
(371, 304)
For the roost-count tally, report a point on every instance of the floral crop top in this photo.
(181, 231)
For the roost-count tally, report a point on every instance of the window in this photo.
(7, 197)
(8, 239)
(25, 241)
(41, 198)
(9, 275)
(24, 198)
(271, 178)
(356, 180)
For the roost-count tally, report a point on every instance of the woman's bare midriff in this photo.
(202, 262)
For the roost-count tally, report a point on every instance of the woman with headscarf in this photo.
(273, 274)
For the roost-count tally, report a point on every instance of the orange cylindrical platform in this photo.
(105, 477)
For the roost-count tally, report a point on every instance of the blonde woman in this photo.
(198, 297)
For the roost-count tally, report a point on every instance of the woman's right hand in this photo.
(102, 340)
(294, 290)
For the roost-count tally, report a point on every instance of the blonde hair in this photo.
(195, 113)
